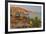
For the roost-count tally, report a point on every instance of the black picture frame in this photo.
(6, 16)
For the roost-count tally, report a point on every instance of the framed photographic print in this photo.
(25, 16)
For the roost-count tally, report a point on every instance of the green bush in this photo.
(36, 22)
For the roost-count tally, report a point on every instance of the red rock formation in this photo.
(18, 22)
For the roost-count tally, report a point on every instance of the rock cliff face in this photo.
(17, 18)
(14, 10)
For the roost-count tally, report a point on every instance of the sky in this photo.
(35, 9)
